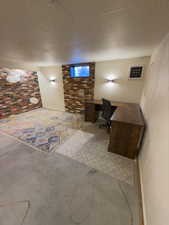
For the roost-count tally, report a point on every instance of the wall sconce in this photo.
(109, 80)
(52, 80)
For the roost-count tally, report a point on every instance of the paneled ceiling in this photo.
(49, 32)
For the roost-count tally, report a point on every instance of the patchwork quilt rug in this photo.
(41, 128)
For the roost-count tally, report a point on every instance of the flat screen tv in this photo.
(79, 71)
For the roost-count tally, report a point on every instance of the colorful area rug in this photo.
(43, 129)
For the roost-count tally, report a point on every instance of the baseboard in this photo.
(140, 193)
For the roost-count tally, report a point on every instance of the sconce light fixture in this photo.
(52, 80)
(110, 80)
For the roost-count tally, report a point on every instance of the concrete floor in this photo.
(38, 188)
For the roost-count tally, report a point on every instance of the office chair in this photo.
(106, 114)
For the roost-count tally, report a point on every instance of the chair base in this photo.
(105, 125)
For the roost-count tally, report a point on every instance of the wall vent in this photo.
(136, 72)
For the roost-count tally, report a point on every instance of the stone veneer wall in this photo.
(77, 90)
(15, 97)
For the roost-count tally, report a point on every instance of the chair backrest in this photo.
(106, 109)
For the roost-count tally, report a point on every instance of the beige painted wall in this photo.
(52, 94)
(154, 158)
(123, 89)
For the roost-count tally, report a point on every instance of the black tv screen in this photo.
(79, 71)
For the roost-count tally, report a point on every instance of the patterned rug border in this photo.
(17, 139)
(56, 128)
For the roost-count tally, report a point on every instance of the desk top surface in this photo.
(125, 112)
(113, 103)
(129, 113)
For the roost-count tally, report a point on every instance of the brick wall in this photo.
(15, 97)
(77, 90)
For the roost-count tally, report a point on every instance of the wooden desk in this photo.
(92, 107)
(127, 126)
